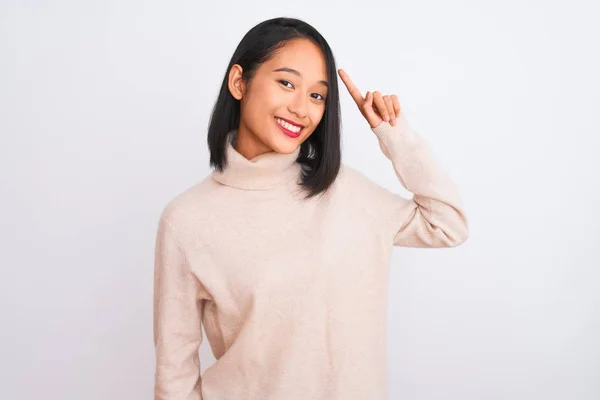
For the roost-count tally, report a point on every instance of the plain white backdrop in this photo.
(103, 115)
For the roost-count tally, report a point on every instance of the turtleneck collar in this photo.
(265, 171)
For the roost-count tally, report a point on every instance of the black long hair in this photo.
(320, 154)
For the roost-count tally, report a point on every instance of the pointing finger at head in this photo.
(352, 89)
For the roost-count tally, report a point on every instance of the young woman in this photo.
(282, 253)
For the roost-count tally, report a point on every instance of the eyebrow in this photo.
(293, 71)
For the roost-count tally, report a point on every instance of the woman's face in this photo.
(284, 102)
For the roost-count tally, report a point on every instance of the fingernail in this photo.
(387, 118)
(393, 122)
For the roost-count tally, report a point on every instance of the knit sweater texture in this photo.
(291, 293)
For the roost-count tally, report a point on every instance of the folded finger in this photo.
(390, 109)
(396, 104)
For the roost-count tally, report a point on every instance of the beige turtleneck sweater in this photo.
(291, 293)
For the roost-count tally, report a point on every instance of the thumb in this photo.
(369, 99)
(369, 112)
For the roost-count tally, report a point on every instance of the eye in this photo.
(285, 83)
(322, 98)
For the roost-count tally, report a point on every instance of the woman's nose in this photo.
(299, 106)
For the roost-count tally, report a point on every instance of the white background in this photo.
(103, 115)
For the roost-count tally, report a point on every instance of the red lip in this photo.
(288, 132)
(291, 122)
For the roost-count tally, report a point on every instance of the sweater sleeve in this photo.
(434, 217)
(178, 312)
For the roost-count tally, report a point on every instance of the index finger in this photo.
(352, 89)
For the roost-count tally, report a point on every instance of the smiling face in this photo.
(284, 102)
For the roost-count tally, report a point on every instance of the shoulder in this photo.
(188, 209)
(367, 194)
(357, 181)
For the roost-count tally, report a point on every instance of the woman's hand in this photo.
(375, 107)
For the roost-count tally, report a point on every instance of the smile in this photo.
(286, 125)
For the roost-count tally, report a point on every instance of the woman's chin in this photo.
(285, 145)
(286, 149)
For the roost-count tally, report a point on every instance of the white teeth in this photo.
(287, 126)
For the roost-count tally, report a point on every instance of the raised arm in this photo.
(434, 217)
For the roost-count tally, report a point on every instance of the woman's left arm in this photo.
(434, 217)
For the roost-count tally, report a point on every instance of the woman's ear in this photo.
(236, 83)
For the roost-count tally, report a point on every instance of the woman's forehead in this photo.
(301, 56)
